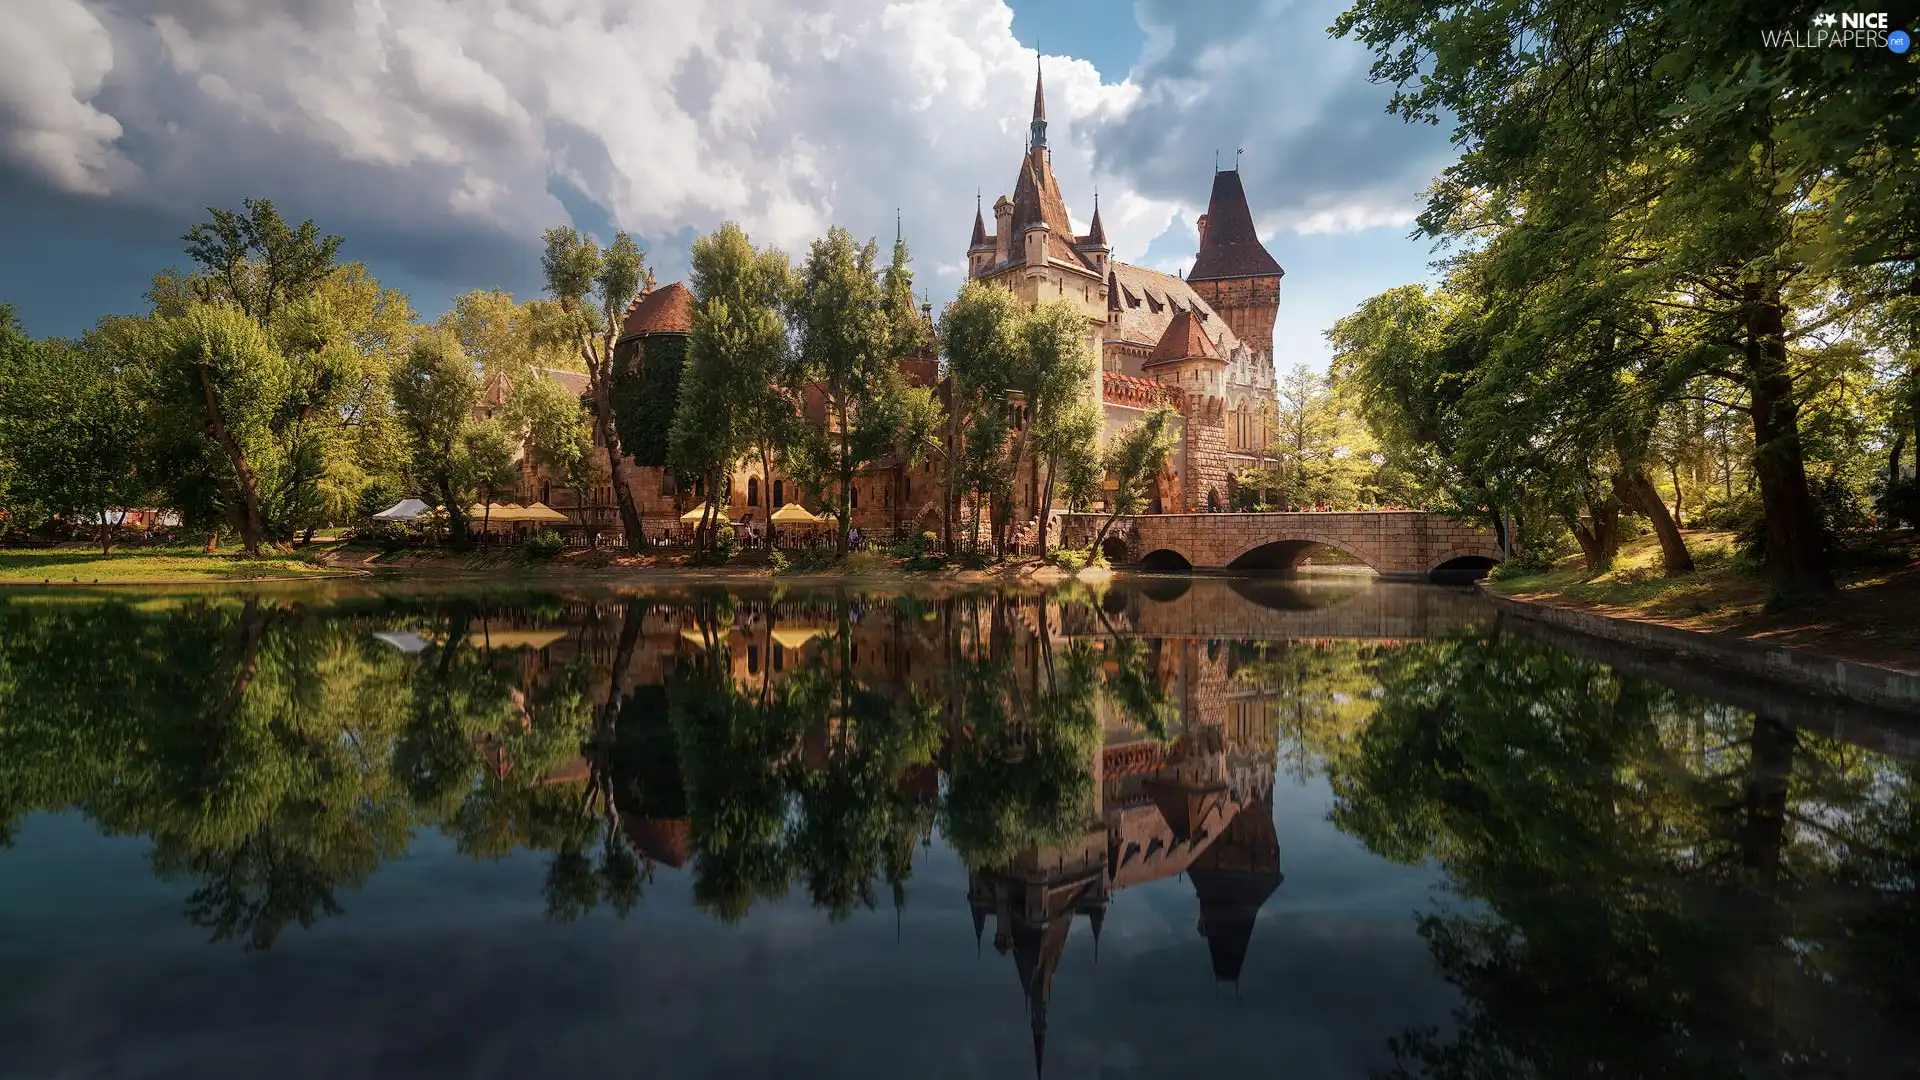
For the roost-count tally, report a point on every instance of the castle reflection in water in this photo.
(1179, 775)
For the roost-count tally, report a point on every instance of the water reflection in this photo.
(1640, 881)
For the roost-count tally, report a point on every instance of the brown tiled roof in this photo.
(1036, 200)
(574, 381)
(1096, 233)
(1183, 340)
(666, 310)
(1144, 302)
(1231, 247)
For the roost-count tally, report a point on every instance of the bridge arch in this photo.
(1289, 553)
(1166, 560)
(1463, 564)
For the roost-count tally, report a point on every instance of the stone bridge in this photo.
(1407, 544)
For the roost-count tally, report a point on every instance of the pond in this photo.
(1164, 828)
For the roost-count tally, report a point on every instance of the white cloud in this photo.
(52, 64)
(423, 127)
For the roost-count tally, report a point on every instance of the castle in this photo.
(1202, 344)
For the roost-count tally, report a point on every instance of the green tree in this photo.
(553, 425)
(980, 333)
(847, 347)
(71, 427)
(453, 455)
(739, 375)
(1133, 461)
(592, 287)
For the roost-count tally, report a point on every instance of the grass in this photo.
(82, 565)
(1871, 619)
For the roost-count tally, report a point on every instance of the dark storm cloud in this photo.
(1321, 152)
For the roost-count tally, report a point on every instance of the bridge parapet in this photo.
(1393, 543)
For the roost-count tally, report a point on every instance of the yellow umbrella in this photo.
(542, 512)
(693, 516)
(792, 637)
(794, 514)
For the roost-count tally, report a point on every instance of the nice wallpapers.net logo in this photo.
(1841, 30)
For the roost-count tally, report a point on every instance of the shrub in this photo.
(544, 545)
(778, 560)
(726, 543)
(1070, 560)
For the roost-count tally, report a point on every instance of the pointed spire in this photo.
(979, 225)
(1039, 91)
(1097, 233)
(1039, 125)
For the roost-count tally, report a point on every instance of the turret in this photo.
(1003, 229)
(1233, 271)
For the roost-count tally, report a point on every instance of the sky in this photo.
(441, 137)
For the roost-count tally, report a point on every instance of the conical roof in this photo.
(1097, 233)
(1231, 247)
(979, 231)
(1184, 339)
(1039, 92)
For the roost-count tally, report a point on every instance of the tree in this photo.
(553, 425)
(847, 348)
(71, 426)
(456, 457)
(593, 287)
(1057, 367)
(217, 371)
(1322, 451)
(1711, 187)
(980, 333)
(256, 261)
(502, 336)
(738, 357)
(1134, 461)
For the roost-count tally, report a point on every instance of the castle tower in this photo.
(1186, 358)
(1233, 271)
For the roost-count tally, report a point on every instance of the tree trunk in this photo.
(1046, 504)
(105, 535)
(248, 520)
(456, 516)
(602, 389)
(1633, 488)
(1893, 468)
(1673, 473)
(213, 542)
(846, 482)
(1796, 550)
(766, 493)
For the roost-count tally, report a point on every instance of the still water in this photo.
(1171, 829)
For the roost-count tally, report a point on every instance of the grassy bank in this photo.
(84, 565)
(1875, 619)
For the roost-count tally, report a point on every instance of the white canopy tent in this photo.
(404, 510)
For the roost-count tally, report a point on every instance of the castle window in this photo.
(667, 486)
(546, 492)
(779, 493)
(753, 491)
(908, 494)
(855, 495)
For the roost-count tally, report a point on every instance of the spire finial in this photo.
(898, 236)
(1216, 161)
(1237, 151)
(1039, 125)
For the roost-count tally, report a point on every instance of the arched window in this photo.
(546, 492)
(779, 493)
(753, 491)
(855, 495)
(908, 494)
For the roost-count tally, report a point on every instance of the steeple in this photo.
(979, 227)
(1097, 233)
(1039, 126)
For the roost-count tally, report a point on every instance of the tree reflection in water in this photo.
(1655, 885)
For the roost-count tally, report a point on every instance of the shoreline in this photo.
(1800, 670)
